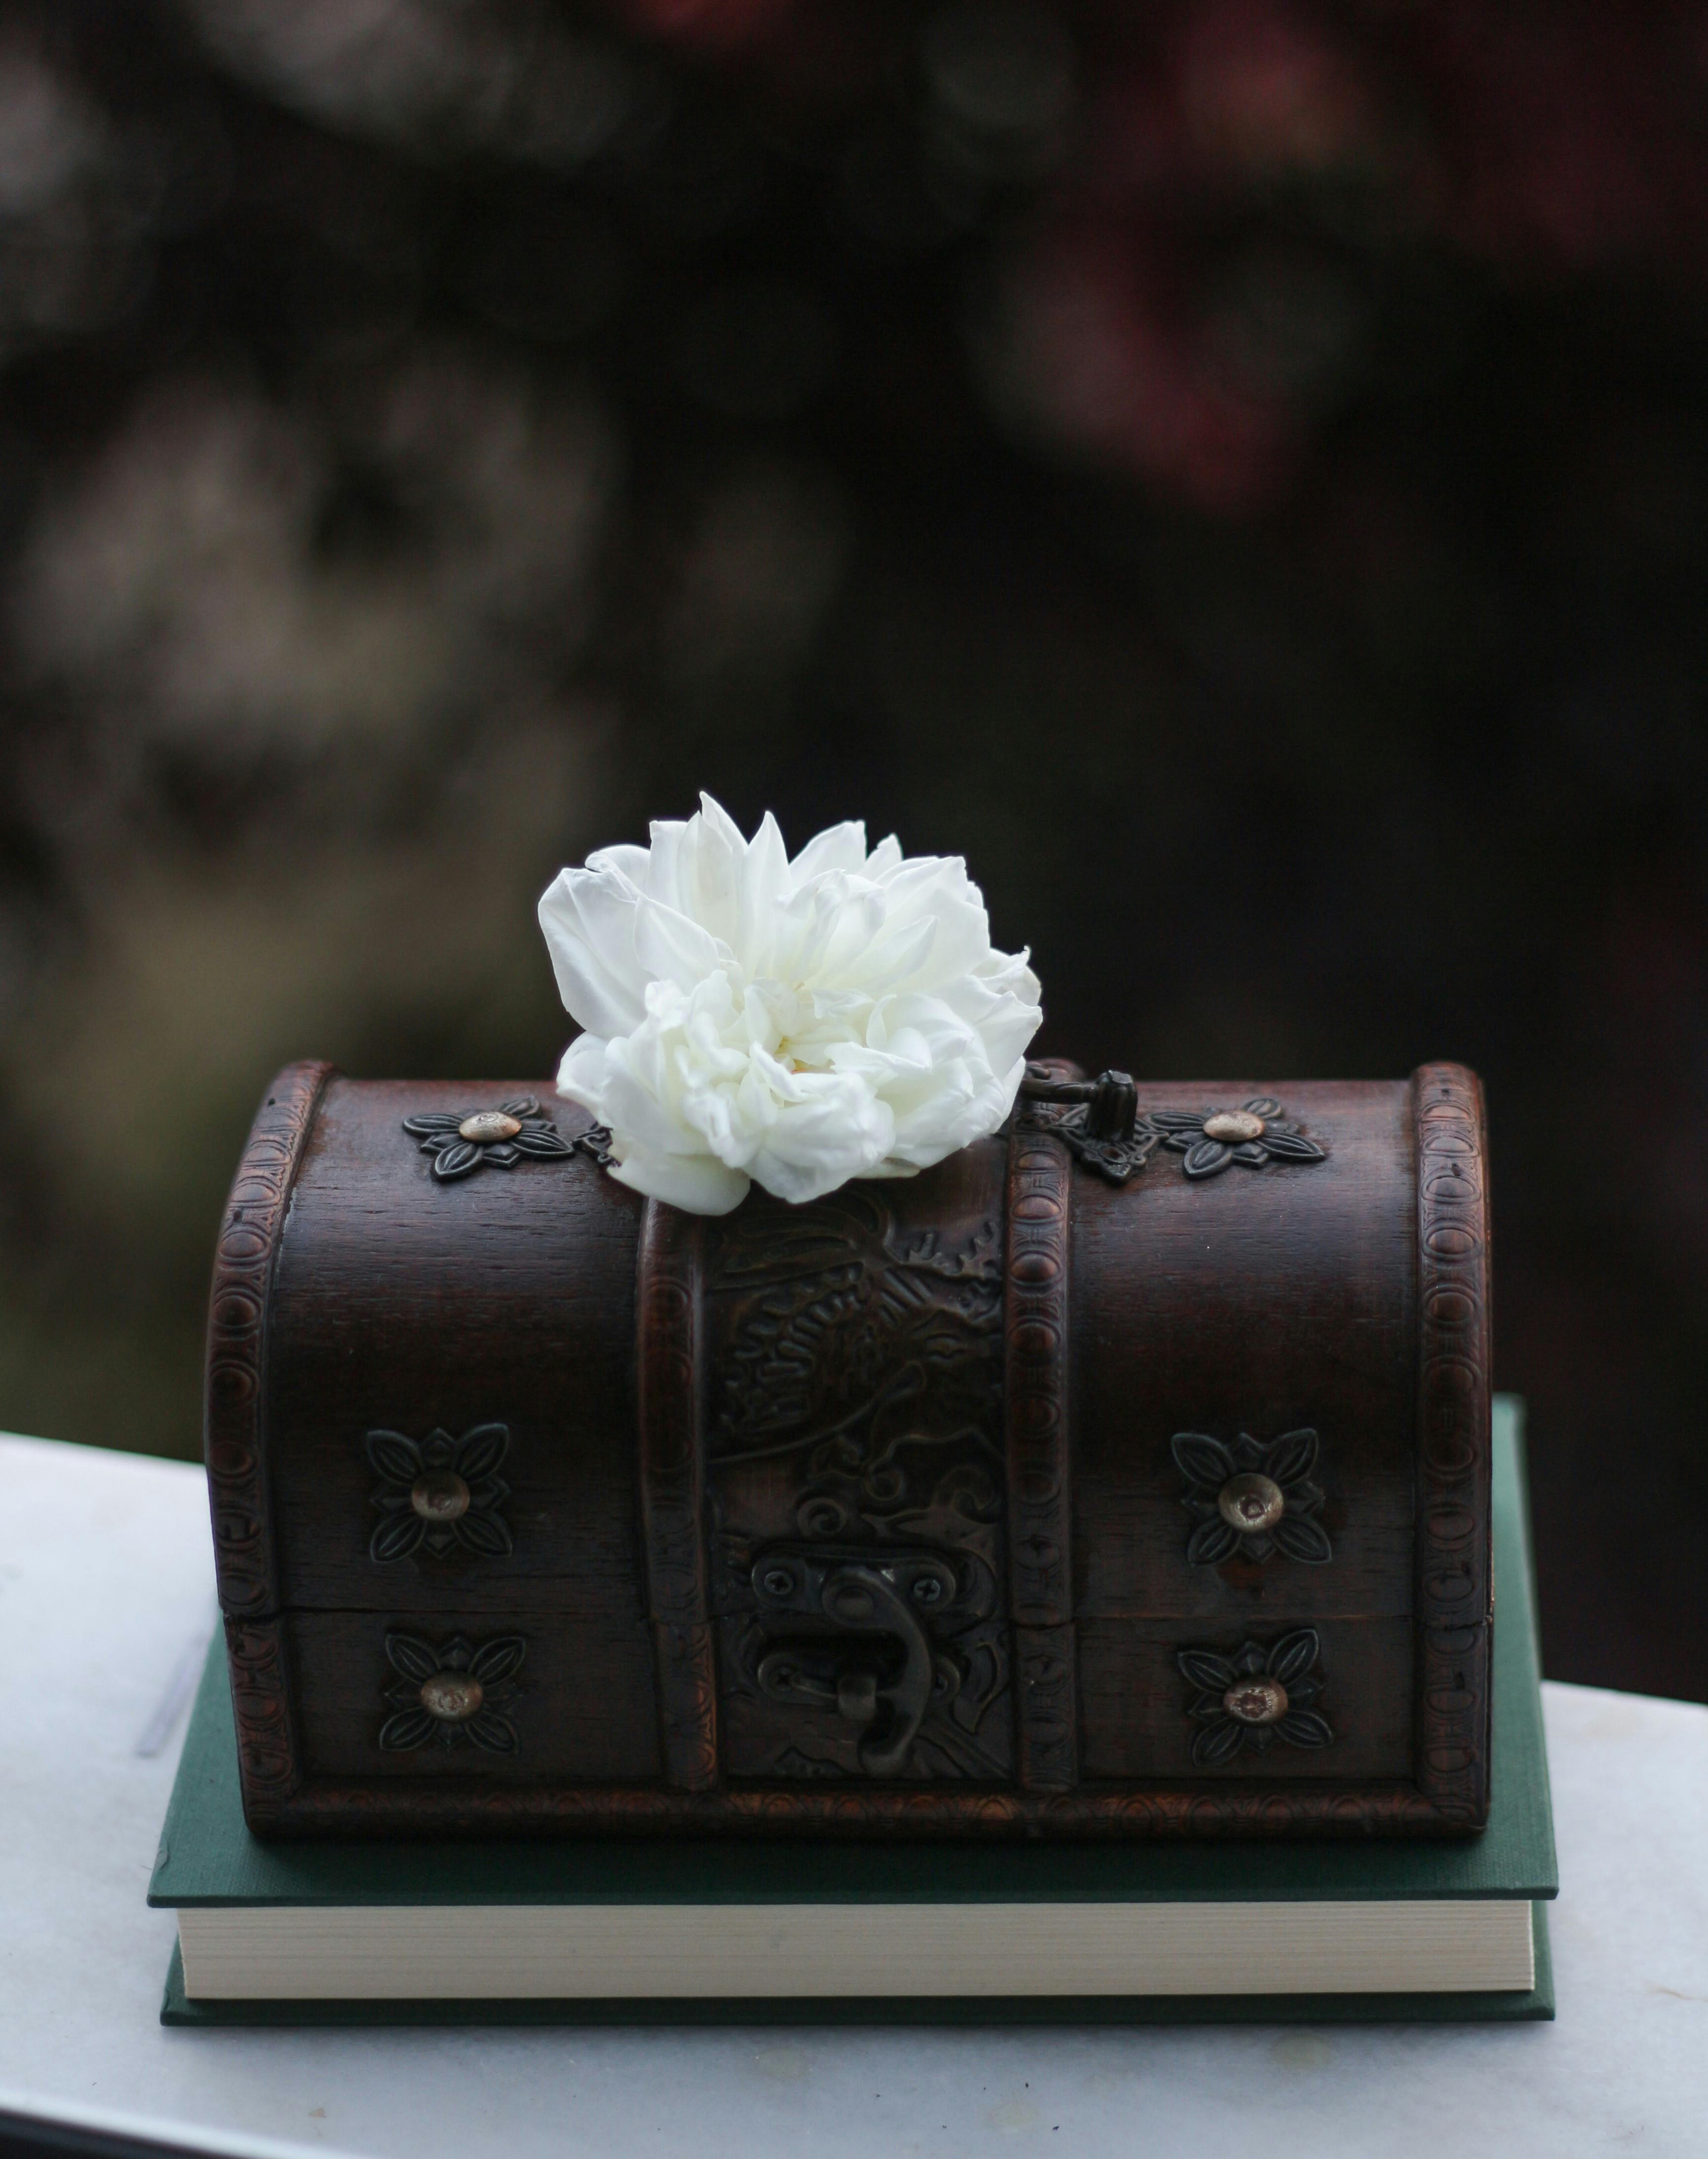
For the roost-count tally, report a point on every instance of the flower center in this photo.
(1232, 1127)
(439, 1496)
(452, 1697)
(487, 1126)
(1253, 1702)
(1252, 1503)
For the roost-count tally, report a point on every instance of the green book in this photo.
(681, 1930)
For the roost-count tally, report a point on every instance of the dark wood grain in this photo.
(672, 1493)
(1135, 1724)
(1454, 1586)
(406, 1305)
(1036, 1412)
(583, 1708)
(243, 1308)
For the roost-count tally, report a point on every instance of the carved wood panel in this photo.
(853, 1433)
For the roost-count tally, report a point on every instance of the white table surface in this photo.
(105, 1579)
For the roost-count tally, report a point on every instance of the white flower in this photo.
(790, 1024)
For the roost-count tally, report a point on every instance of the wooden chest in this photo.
(1127, 1474)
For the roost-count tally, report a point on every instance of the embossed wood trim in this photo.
(237, 1308)
(672, 1491)
(1454, 1608)
(1256, 1810)
(1035, 1409)
(261, 1708)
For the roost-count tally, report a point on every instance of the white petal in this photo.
(838, 847)
(671, 948)
(695, 1183)
(583, 1075)
(588, 921)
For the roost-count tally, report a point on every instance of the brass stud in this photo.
(452, 1697)
(439, 1496)
(1231, 1127)
(1257, 1701)
(1252, 1503)
(487, 1126)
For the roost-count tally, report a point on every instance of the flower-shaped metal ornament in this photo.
(451, 1695)
(1251, 1136)
(491, 1139)
(1255, 1698)
(1251, 1498)
(438, 1493)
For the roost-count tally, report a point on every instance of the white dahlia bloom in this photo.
(749, 1018)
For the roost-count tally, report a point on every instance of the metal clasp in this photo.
(876, 1667)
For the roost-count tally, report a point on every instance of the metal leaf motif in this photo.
(1205, 1669)
(1303, 1539)
(497, 1659)
(1289, 1147)
(1204, 1460)
(489, 1534)
(409, 1654)
(1218, 1743)
(456, 1160)
(1304, 1727)
(495, 1733)
(407, 1729)
(1176, 1120)
(397, 1535)
(1292, 1654)
(481, 1449)
(1212, 1542)
(396, 1458)
(1292, 1456)
(542, 1140)
(1206, 1157)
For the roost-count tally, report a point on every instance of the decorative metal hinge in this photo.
(1100, 1120)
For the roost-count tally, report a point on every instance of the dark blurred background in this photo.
(1236, 469)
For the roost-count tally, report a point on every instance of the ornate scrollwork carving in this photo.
(852, 1433)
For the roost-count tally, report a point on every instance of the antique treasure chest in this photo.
(1125, 1475)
